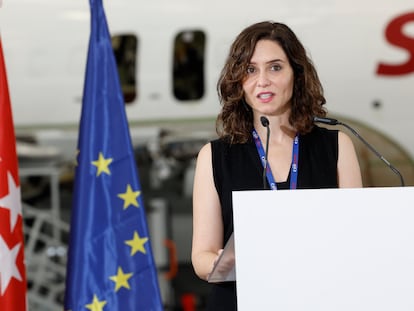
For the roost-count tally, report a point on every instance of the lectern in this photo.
(324, 250)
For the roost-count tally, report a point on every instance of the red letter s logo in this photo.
(395, 36)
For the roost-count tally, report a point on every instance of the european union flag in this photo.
(110, 264)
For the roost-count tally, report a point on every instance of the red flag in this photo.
(12, 269)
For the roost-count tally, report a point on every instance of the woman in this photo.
(267, 74)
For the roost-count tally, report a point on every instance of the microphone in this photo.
(265, 123)
(331, 121)
(328, 121)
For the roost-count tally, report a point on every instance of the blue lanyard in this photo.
(294, 167)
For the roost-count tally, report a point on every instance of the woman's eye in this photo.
(250, 70)
(276, 67)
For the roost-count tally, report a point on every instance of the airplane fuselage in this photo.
(363, 51)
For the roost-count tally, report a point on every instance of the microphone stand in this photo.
(331, 121)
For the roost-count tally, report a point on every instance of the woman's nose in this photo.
(263, 79)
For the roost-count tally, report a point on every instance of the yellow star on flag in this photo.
(102, 164)
(129, 197)
(96, 305)
(121, 279)
(137, 244)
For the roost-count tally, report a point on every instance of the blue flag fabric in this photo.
(110, 262)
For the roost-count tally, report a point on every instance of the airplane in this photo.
(363, 52)
(169, 55)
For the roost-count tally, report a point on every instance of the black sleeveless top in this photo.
(238, 167)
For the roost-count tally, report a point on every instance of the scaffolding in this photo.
(46, 243)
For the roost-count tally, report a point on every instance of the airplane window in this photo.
(125, 50)
(188, 66)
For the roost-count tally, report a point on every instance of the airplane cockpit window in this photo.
(188, 66)
(125, 50)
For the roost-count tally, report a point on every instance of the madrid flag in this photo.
(12, 268)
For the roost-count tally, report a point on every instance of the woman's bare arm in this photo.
(207, 219)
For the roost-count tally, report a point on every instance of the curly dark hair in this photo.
(235, 121)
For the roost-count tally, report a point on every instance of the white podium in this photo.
(325, 250)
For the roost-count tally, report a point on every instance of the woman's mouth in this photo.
(265, 96)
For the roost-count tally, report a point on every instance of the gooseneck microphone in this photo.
(331, 121)
(265, 123)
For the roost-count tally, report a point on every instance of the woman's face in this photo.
(268, 85)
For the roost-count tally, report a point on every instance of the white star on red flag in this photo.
(12, 201)
(8, 267)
